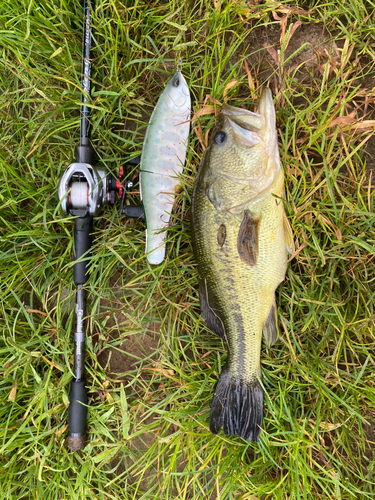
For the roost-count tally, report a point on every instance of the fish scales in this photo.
(248, 288)
(162, 160)
(237, 287)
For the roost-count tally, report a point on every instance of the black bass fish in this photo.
(241, 239)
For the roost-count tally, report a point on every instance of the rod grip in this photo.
(77, 418)
(82, 245)
(134, 212)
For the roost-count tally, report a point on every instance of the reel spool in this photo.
(79, 195)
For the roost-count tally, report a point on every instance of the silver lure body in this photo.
(163, 159)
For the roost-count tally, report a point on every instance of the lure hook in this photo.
(179, 64)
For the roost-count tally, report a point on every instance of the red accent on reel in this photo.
(120, 182)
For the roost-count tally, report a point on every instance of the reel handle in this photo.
(130, 211)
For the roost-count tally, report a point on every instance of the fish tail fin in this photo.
(237, 406)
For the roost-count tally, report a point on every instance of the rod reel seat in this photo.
(130, 211)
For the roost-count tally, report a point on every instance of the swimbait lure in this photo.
(163, 159)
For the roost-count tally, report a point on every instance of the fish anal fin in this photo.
(270, 328)
(208, 312)
(247, 240)
(288, 233)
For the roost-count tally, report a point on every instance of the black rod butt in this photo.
(75, 444)
(77, 415)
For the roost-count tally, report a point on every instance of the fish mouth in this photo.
(245, 137)
(248, 120)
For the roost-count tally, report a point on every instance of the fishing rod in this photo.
(84, 188)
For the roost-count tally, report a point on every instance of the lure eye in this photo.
(220, 137)
(176, 82)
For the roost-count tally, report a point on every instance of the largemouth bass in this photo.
(241, 239)
(163, 158)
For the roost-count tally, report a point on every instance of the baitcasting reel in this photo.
(85, 188)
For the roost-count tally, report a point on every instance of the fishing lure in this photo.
(162, 161)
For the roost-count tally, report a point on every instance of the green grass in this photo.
(148, 426)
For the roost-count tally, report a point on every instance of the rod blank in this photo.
(86, 74)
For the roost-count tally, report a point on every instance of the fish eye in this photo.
(176, 82)
(220, 137)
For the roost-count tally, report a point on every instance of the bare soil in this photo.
(130, 348)
(129, 354)
(265, 45)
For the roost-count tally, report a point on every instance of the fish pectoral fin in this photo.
(247, 240)
(208, 313)
(271, 329)
(288, 233)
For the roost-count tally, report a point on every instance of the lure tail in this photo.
(157, 193)
(237, 407)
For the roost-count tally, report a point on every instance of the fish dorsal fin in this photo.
(208, 312)
(271, 329)
(288, 233)
(247, 240)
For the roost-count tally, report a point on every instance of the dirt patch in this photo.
(318, 43)
(130, 353)
(138, 445)
(369, 432)
(124, 353)
(128, 343)
(308, 44)
(143, 480)
(370, 155)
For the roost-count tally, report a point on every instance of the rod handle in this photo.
(77, 417)
(134, 212)
(82, 245)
